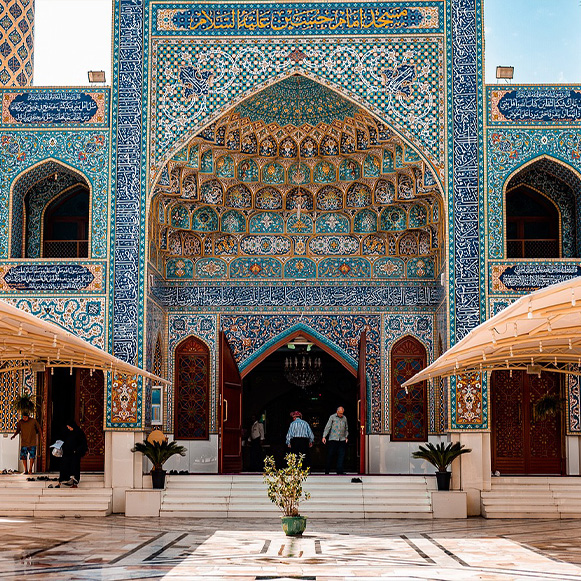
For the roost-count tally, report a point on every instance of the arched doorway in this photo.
(192, 391)
(409, 422)
(77, 396)
(271, 391)
(522, 441)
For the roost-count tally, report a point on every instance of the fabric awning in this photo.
(540, 329)
(28, 342)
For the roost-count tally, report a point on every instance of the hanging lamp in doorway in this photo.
(302, 368)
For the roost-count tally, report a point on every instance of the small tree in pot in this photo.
(158, 453)
(285, 490)
(441, 456)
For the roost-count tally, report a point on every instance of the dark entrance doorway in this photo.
(78, 396)
(269, 394)
(523, 443)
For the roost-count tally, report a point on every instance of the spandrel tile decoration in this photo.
(269, 183)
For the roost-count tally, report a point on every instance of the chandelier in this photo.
(302, 369)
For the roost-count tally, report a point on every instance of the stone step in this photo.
(239, 496)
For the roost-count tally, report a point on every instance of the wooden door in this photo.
(89, 411)
(409, 421)
(521, 442)
(230, 443)
(362, 404)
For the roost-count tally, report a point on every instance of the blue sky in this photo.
(540, 38)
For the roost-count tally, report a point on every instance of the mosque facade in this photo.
(288, 206)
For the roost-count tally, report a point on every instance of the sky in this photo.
(540, 38)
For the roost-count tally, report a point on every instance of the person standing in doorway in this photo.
(74, 448)
(300, 437)
(336, 432)
(29, 429)
(256, 440)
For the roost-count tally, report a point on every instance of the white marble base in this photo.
(449, 504)
(142, 502)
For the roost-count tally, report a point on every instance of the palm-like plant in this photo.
(547, 405)
(159, 452)
(24, 404)
(441, 455)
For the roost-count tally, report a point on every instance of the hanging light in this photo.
(302, 369)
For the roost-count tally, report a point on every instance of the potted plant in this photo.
(441, 456)
(285, 490)
(24, 404)
(158, 453)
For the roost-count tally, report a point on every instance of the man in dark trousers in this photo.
(300, 437)
(337, 433)
(256, 440)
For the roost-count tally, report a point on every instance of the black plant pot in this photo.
(158, 479)
(443, 480)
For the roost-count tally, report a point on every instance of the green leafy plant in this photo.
(547, 405)
(285, 485)
(159, 452)
(441, 455)
(24, 404)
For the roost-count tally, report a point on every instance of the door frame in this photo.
(354, 371)
(494, 380)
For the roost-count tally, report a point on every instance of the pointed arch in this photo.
(554, 189)
(192, 389)
(308, 332)
(399, 133)
(61, 177)
(409, 407)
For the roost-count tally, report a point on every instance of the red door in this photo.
(89, 415)
(409, 418)
(230, 456)
(362, 389)
(521, 442)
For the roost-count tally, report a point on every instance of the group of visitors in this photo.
(71, 449)
(300, 438)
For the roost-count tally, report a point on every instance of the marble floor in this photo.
(117, 548)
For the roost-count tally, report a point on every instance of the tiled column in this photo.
(466, 258)
(16, 42)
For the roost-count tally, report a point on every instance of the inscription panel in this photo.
(260, 19)
(527, 276)
(534, 105)
(51, 277)
(50, 107)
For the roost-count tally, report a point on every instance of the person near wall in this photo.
(300, 437)
(336, 433)
(74, 448)
(256, 441)
(29, 430)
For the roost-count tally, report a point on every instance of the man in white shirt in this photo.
(256, 439)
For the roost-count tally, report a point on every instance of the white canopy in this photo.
(540, 329)
(27, 342)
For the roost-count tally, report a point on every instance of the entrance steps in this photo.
(331, 496)
(533, 497)
(20, 497)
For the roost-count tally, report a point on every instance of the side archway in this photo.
(192, 390)
(408, 406)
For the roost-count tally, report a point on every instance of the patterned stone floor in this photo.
(118, 548)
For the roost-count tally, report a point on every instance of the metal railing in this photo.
(66, 249)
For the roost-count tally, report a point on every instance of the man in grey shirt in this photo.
(337, 433)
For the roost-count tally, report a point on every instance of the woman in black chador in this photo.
(74, 448)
